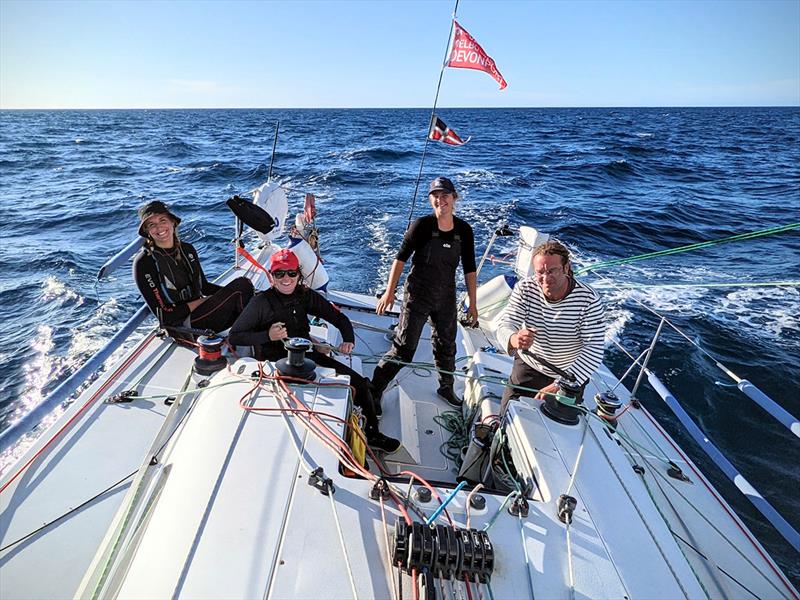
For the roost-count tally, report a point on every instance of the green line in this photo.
(698, 245)
(711, 285)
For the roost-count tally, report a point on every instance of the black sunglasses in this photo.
(280, 273)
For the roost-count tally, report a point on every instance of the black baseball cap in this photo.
(442, 183)
(156, 207)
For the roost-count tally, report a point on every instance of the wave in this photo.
(376, 153)
(175, 148)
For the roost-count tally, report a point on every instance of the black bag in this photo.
(251, 215)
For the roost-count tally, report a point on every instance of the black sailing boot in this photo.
(446, 392)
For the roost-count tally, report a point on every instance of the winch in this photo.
(296, 364)
(557, 410)
(209, 359)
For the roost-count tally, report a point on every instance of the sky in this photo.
(262, 54)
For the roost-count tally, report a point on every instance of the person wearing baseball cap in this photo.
(436, 244)
(168, 274)
(282, 311)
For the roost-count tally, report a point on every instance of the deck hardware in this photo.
(318, 480)
(203, 383)
(675, 472)
(635, 402)
(296, 364)
(423, 495)
(426, 586)
(170, 400)
(400, 546)
(241, 369)
(209, 358)
(607, 405)
(566, 506)
(557, 410)
(122, 397)
(445, 556)
(639, 469)
(255, 375)
(445, 552)
(153, 460)
(519, 506)
(380, 490)
(478, 502)
(468, 554)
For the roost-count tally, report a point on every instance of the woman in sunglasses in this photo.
(282, 311)
(168, 274)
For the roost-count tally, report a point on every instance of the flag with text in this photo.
(466, 53)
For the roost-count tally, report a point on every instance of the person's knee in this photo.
(243, 284)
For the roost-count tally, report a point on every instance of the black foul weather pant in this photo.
(218, 312)
(524, 375)
(413, 317)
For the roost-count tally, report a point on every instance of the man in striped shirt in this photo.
(551, 320)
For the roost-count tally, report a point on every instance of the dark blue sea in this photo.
(611, 183)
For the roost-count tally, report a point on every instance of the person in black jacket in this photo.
(282, 311)
(438, 242)
(167, 272)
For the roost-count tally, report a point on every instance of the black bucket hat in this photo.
(442, 183)
(156, 207)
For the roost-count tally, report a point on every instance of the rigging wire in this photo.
(433, 114)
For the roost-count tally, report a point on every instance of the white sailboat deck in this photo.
(225, 510)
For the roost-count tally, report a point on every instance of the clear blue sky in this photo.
(151, 54)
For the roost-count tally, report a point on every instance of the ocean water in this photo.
(611, 183)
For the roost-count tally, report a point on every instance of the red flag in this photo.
(466, 53)
(440, 132)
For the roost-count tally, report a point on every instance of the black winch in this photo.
(296, 364)
(557, 410)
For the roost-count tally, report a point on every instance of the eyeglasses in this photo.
(550, 271)
(281, 273)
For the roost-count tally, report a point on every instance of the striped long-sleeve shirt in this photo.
(569, 333)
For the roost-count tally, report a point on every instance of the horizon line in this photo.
(405, 107)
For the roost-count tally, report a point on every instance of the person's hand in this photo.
(277, 331)
(550, 389)
(472, 315)
(385, 302)
(193, 304)
(346, 347)
(523, 339)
